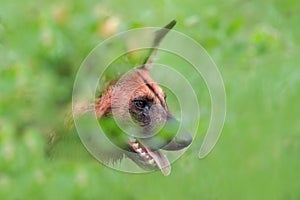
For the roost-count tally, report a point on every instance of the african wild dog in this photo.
(136, 97)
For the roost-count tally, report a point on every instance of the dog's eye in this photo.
(140, 104)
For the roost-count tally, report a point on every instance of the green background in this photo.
(255, 44)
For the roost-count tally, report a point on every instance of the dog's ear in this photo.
(103, 104)
(159, 35)
(101, 107)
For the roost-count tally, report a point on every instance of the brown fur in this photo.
(132, 85)
(135, 97)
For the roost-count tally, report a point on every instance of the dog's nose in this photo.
(169, 137)
(180, 141)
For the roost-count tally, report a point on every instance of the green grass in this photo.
(256, 47)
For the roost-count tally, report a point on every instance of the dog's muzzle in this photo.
(170, 137)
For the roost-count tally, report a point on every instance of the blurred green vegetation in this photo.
(256, 47)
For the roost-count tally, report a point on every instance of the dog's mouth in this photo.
(147, 152)
(153, 158)
(147, 158)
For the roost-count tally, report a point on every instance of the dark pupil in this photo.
(140, 103)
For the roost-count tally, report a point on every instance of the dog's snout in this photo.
(179, 142)
(170, 137)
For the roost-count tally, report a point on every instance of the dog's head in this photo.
(140, 103)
